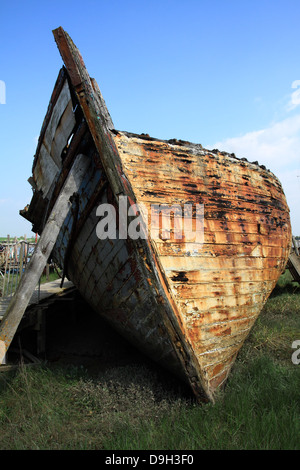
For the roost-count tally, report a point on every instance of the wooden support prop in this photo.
(30, 278)
(295, 246)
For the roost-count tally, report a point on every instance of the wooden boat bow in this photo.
(188, 305)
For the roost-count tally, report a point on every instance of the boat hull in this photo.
(219, 283)
(187, 298)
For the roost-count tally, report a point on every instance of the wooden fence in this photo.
(14, 257)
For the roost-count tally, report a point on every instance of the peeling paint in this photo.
(189, 306)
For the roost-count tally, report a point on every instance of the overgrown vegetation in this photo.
(136, 407)
(30, 239)
(53, 276)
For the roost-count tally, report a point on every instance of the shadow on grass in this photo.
(286, 285)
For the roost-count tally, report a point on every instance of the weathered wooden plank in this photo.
(54, 97)
(215, 289)
(62, 120)
(247, 275)
(239, 204)
(62, 133)
(214, 343)
(191, 263)
(225, 301)
(178, 248)
(39, 259)
(196, 185)
(103, 107)
(118, 287)
(254, 243)
(202, 165)
(92, 109)
(45, 171)
(294, 266)
(56, 131)
(75, 147)
(220, 315)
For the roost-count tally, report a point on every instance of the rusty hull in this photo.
(220, 287)
(189, 307)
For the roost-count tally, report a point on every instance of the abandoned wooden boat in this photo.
(189, 304)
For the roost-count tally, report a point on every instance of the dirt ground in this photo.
(76, 335)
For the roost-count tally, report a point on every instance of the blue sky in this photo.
(223, 73)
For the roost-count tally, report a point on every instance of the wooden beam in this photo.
(30, 278)
(295, 246)
(94, 110)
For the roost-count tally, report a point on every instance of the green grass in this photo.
(52, 277)
(134, 406)
(260, 410)
(14, 280)
(4, 239)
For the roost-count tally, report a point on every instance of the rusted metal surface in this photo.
(188, 305)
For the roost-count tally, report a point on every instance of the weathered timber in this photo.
(94, 109)
(295, 246)
(188, 304)
(42, 252)
(293, 265)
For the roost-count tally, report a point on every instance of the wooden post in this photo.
(7, 264)
(295, 246)
(5, 268)
(29, 280)
(25, 249)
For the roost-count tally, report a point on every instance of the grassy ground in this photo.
(52, 277)
(14, 280)
(135, 406)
